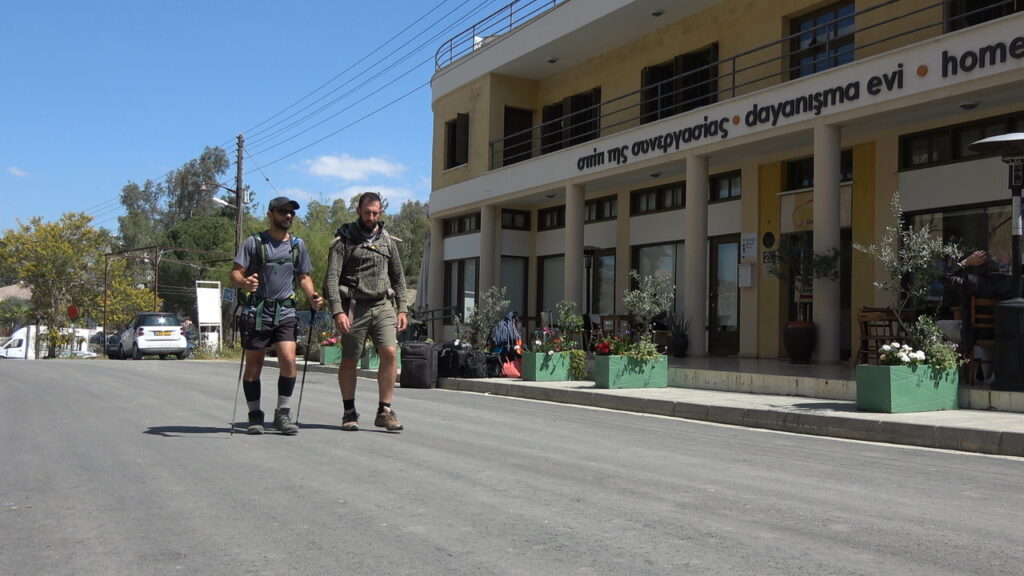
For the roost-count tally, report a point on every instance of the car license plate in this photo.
(163, 332)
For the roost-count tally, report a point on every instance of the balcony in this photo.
(848, 37)
(502, 21)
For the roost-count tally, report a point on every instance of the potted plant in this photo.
(910, 379)
(632, 360)
(330, 348)
(920, 371)
(679, 325)
(796, 262)
(553, 352)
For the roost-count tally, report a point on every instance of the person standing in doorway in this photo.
(364, 275)
(266, 269)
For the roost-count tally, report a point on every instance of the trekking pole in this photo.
(241, 365)
(305, 362)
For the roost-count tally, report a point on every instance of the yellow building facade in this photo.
(577, 140)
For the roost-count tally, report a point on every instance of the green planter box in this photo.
(542, 367)
(330, 355)
(898, 389)
(625, 372)
(371, 361)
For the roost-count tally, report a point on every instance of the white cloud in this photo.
(352, 169)
(15, 171)
(394, 196)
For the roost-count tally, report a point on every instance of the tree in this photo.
(124, 299)
(178, 274)
(189, 188)
(15, 313)
(58, 261)
(141, 224)
(412, 225)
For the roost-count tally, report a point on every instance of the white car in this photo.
(149, 333)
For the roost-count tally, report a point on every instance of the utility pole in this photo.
(239, 194)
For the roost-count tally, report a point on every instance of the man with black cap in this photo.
(266, 269)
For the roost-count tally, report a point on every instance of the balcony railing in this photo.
(877, 29)
(502, 21)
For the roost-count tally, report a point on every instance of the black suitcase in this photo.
(419, 365)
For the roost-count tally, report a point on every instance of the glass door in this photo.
(724, 296)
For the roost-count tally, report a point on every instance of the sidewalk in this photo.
(986, 431)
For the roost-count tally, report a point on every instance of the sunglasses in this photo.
(285, 212)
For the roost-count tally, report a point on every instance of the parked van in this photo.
(22, 344)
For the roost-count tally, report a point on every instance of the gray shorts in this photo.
(375, 319)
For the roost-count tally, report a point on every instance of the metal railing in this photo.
(877, 29)
(500, 22)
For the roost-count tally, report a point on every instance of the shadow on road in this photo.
(179, 431)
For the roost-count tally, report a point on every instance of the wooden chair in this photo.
(878, 326)
(983, 323)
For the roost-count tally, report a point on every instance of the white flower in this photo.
(918, 355)
(904, 358)
(886, 349)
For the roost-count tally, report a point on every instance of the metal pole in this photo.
(305, 363)
(239, 192)
(106, 267)
(1016, 183)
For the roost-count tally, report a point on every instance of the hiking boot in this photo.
(255, 422)
(283, 422)
(350, 421)
(388, 419)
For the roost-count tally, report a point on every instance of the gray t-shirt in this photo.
(277, 275)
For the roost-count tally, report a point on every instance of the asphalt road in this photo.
(127, 468)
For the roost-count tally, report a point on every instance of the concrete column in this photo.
(574, 244)
(695, 276)
(488, 234)
(825, 308)
(435, 274)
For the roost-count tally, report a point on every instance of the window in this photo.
(456, 141)
(514, 277)
(686, 82)
(667, 258)
(518, 135)
(725, 186)
(950, 143)
(606, 208)
(800, 173)
(574, 120)
(821, 40)
(552, 282)
(551, 218)
(515, 219)
(965, 13)
(667, 197)
(460, 287)
(974, 228)
(466, 224)
(601, 277)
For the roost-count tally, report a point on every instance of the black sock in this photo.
(349, 404)
(285, 386)
(382, 405)
(252, 394)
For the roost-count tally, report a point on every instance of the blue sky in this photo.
(99, 94)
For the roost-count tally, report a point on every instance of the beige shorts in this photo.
(373, 318)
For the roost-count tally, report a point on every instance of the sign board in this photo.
(208, 302)
(229, 295)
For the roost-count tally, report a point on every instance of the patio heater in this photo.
(1008, 363)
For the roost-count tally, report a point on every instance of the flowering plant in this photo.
(896, 354)
(547, 341)
(328, 338)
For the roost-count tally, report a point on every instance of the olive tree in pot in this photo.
(796, 262)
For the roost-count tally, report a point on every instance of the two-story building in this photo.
(577, 140)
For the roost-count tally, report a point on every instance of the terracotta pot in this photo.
(799, 338)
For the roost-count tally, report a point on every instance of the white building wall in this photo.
(600, 234)
(724, 218)
(459, 247)
(656, 228)
(515, 243)
(954, 184)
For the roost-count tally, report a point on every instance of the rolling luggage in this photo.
(419, 365)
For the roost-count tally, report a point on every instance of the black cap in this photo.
(283, 201)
